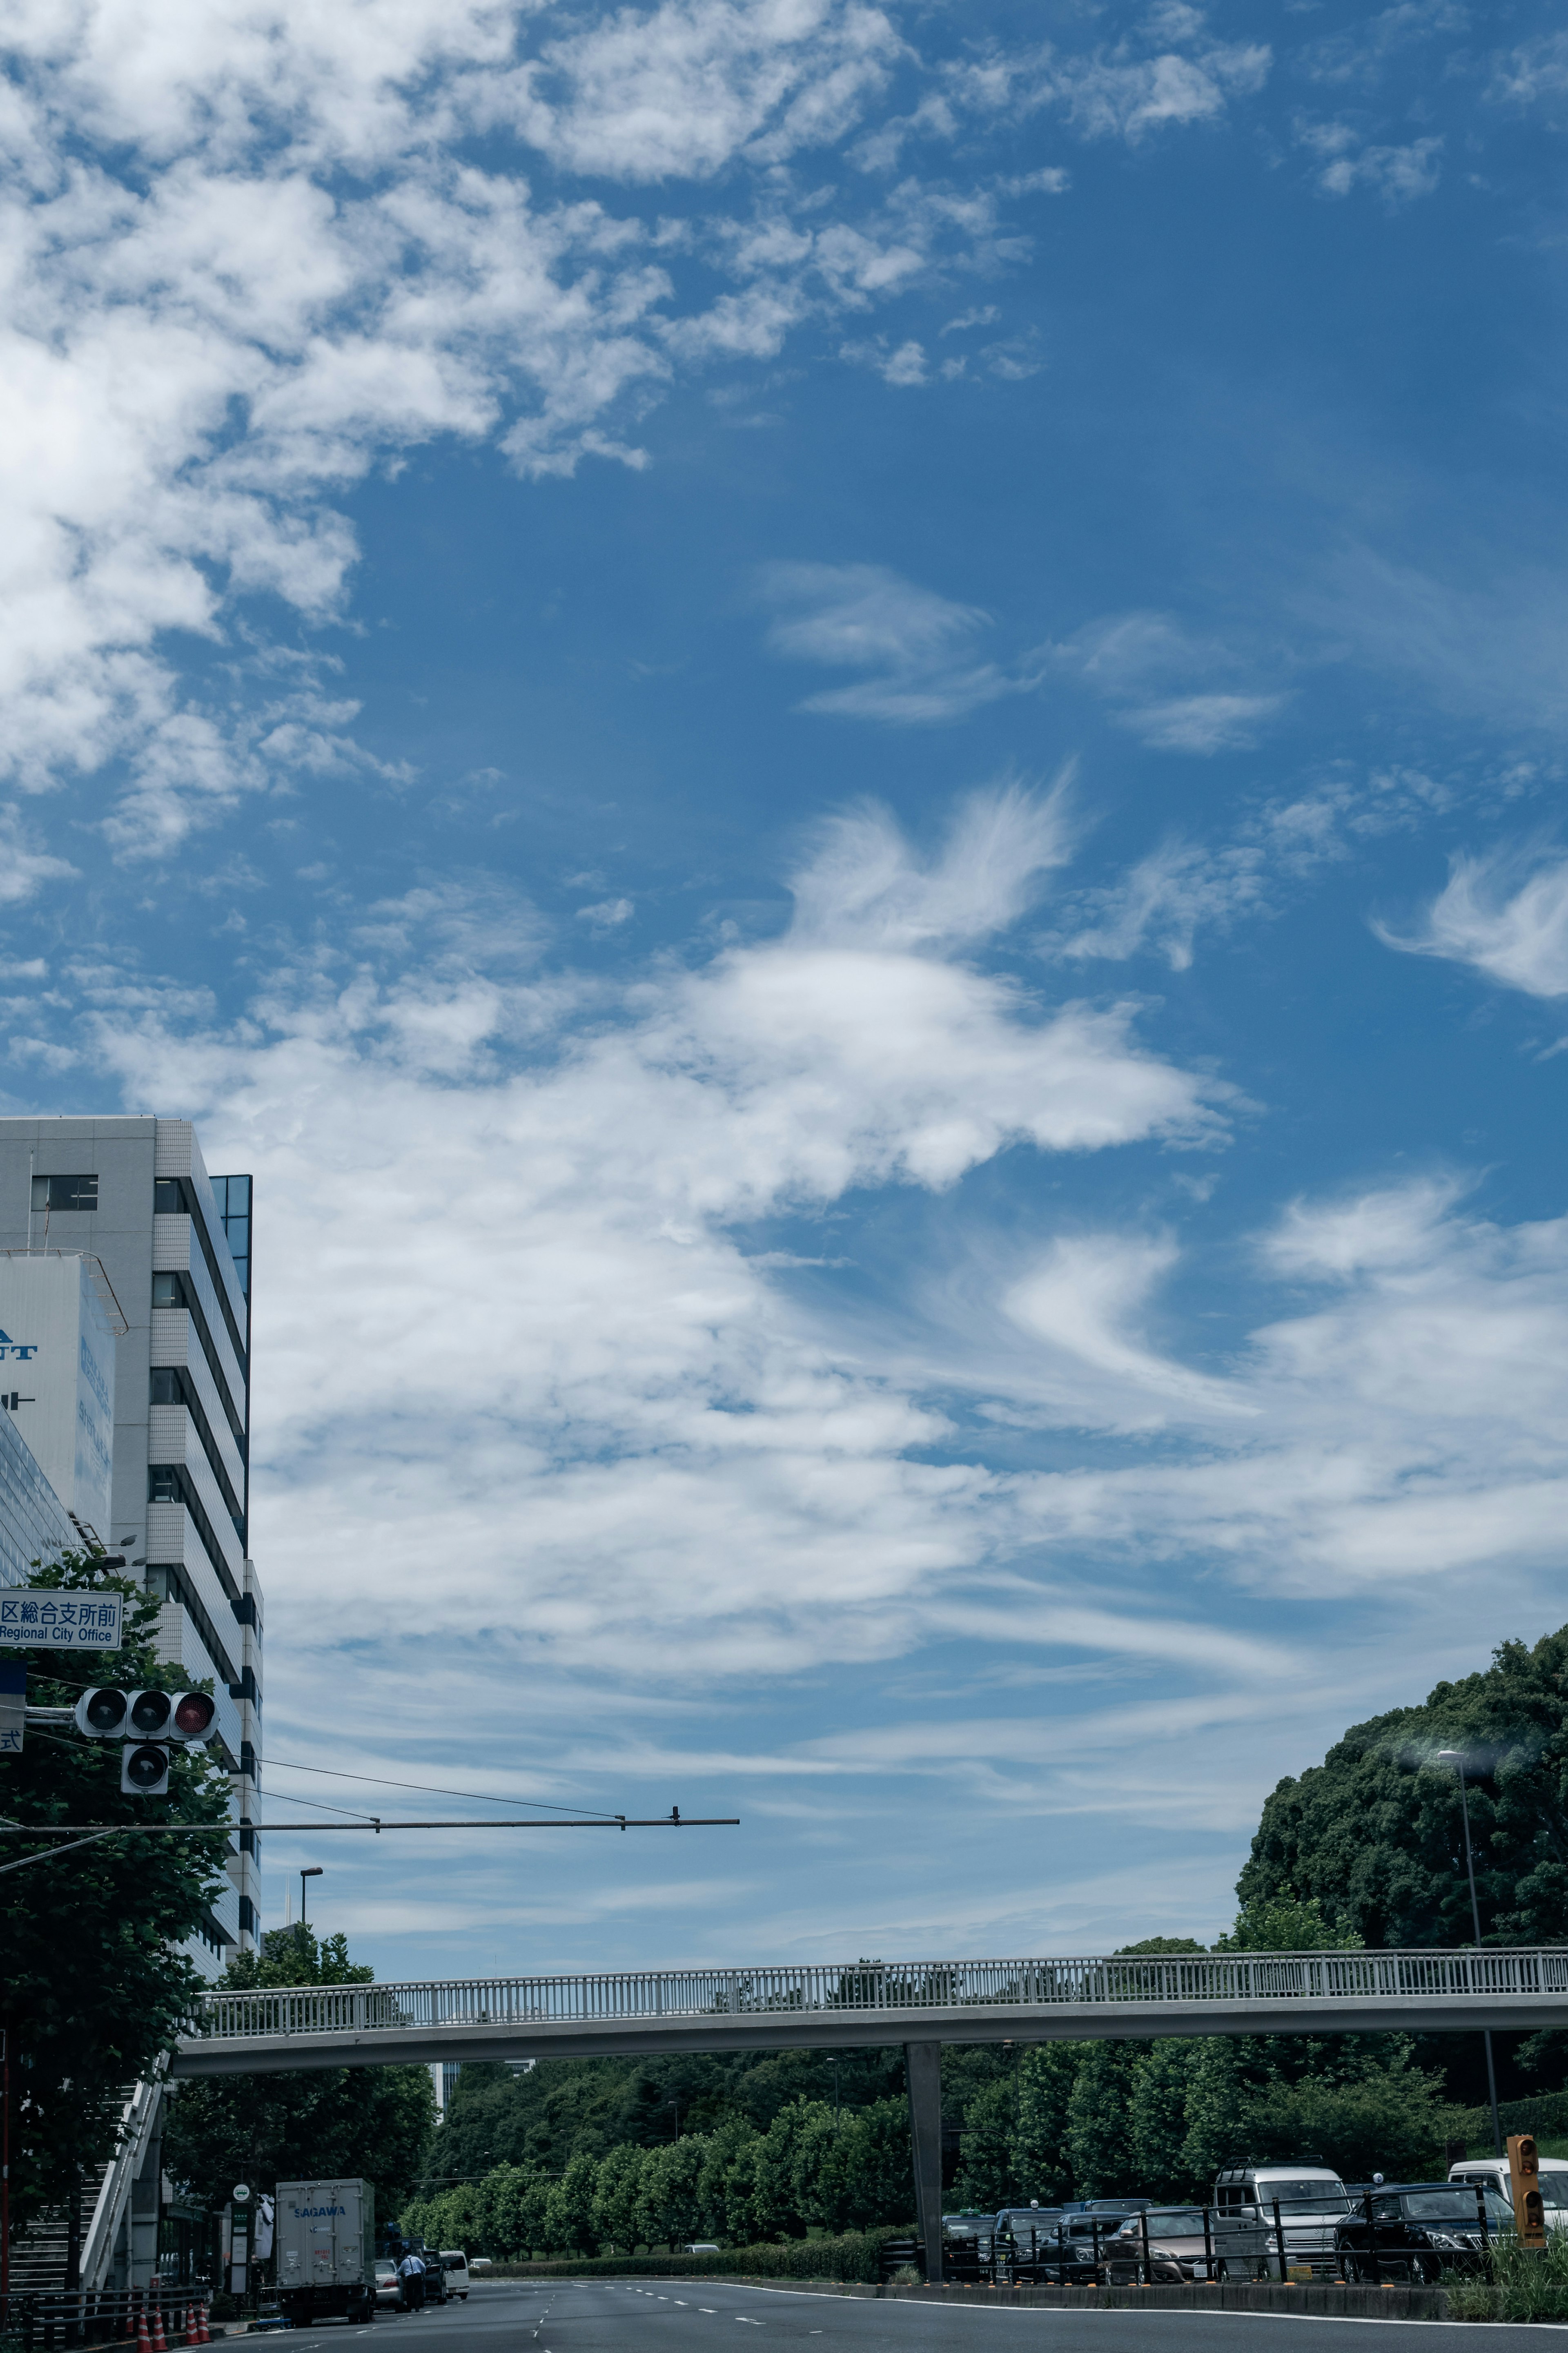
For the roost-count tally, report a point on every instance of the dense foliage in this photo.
(91, 1984)
(734, 2184)
(367, 2122)
(1373, 1834)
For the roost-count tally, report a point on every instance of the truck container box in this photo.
(326, 2248)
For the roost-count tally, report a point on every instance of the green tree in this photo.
(617, 2198)
(92, 1985)
(986, 2173)
(1375, 1834)
(1042, 2164)
(776, 2182)
(879, 2169)
(1157, 2115)
(569, 2224)
(671, 2201)
(374, 2121)
(1099, 2122)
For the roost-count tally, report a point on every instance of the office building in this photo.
(116, 1222)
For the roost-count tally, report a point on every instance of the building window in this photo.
(166, 1290)
(165, 1387)
(168, 1196)
(64, 1192)
(232, 1195)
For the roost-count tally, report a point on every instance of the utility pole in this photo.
(1454, 1758)
(313, 1871)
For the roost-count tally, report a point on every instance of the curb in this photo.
(1395, 2302)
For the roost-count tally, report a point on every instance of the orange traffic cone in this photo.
(204, 2337)
(160, 2342)
(144, 2342)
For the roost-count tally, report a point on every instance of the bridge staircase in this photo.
(40, 2256)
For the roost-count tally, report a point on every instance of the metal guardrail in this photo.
(1398, 1978)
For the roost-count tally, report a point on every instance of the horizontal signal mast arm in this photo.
(612, 1822)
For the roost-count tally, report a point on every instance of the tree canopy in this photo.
(1374, 1836)
(369, 2122)
(92, 1985)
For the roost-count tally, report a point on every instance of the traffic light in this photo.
(108, 1714)
(145, 1722)
(1524, 2171)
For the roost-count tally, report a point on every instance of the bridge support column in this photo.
(922, 2065)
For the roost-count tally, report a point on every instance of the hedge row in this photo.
(855, 2256)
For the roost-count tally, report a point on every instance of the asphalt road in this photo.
(675, 2316)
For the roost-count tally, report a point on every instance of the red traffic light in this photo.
(195, 1713)
(106, 1714)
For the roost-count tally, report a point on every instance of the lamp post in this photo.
(314, 1872)
(1454, 1758)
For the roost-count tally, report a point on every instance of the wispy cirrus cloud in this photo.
(916, 650)
(1506, 916)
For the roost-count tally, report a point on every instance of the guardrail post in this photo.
(1280, 2240)
(922, 2068)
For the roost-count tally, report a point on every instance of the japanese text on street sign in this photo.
(42, 1620)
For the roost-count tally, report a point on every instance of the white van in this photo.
(1553, 2173)
(1312, 2202)
(455, 2263)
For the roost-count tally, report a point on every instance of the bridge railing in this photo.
(1176, 1978)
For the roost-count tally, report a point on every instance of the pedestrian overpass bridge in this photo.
(920, 2004)
(637, 2013)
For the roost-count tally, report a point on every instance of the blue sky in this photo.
(834, 734)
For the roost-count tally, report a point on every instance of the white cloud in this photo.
(1163, 902)
(1398, 175)
(1535, 70)
(1169, 71)
(915, 645)
(505, 1337)
(1501, 918)
(24, 867)
(1135, 659)
(679, 90)
(1203, 723)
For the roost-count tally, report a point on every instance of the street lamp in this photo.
(314, 1872)
(1454, 1758)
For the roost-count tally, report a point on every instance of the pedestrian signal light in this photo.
(108, 1714)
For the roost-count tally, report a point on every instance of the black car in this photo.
(1419, 2230)
(1083, 2238)
(1026, 2240)
(967, 2241)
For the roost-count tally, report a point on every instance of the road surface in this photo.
(688, 2316)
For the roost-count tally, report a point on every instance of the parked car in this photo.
(388, 2286)
(1312, 2202)
(967, 2241)
(479, 2263)
(1026, 2238)
(1077, 2257)
(1554, 2176)
(1419, 2230)
(1179, 2247)
(454, 2265)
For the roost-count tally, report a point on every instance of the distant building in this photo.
(116, 1221)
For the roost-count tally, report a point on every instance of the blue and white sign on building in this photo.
(35, 1618)
(13, 1706)
(57, 1373)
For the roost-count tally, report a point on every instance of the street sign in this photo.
(38, 1617)
(241, 2192)
(12, 1706)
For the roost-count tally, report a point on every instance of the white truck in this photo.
(326, 2250)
